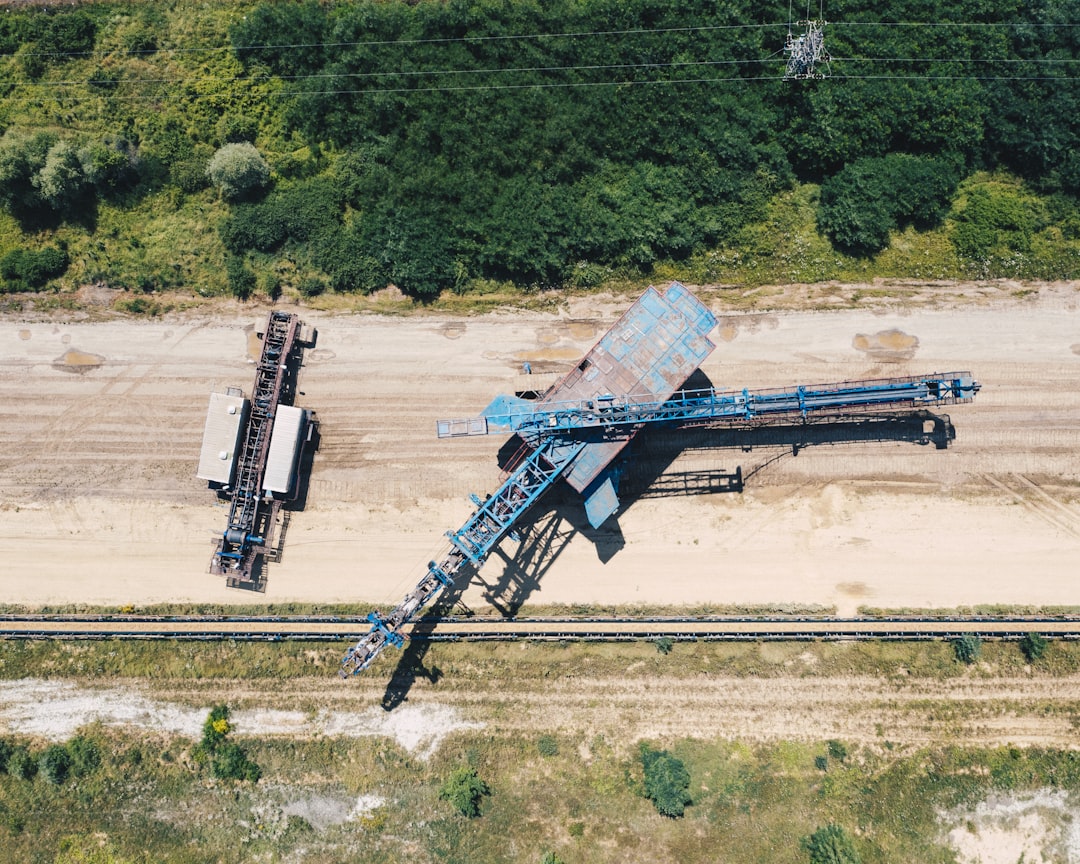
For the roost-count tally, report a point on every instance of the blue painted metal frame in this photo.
(688, 406)
(471, 544)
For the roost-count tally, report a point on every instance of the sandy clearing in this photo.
(57, 709)
(1043, 825)
(100, 503)
(856, 709)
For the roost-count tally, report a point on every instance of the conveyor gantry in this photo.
(251, 516)
(629, 380)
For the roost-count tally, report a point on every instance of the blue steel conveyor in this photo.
(630, 379)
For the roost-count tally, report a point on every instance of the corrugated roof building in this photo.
(286, 440)
(225, 419)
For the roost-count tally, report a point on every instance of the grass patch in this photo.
(515, 664)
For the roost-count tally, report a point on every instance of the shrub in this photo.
(967, 648)
(869, 198)
(1034, 646)
(551, 858)
(85, 756)
(26, 269)
(576, 829)
(6, 749)
(831, 845)
(821, 763)
(230, 762)
(189, 175)
(216, 727)
(548, 745)
(312, 286)
(55, 764)
(241, 278)
(837, 750)
(666, 781)
(238, 170)
(21, 764)
(664, 644)
(464, 790)
(22, 156)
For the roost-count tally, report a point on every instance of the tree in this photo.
(967, 648)
(62, 179)
(238, 170)
(831, 845)
(1034, 646)
(464, 790)
(667, 782)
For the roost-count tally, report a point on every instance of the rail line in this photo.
(610, 629)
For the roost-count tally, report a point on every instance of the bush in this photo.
(6, 749)
(664, 644)
(312, 286)
(55, 764)
(230, 762)
(26, 269)
(241, 278)
(238, 170)
(967, 648)
(215, 728)
(837, 750)
(85, 756)
(821, 763)
(551, 858)
(548, 745)
(21, 764)
(666, 781)
(1034, 646)
(871, 197)
(831, 845)
(464, 790)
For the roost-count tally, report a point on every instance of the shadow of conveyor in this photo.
(410, 666)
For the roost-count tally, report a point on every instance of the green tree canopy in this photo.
(831, 845)
(465, 791)
(667, 782)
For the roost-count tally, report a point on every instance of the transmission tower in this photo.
(806, 54)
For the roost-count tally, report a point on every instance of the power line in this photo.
(146, 97)
(415, 73)
(372, 43)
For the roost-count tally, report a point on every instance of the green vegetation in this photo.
(337, 147)
(666, 781)
(579, 795)
(763, 802)
(968, 648)
(228, 760)
(465, 791)
(1033, 646)
(831, 845)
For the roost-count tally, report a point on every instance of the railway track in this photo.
(447, 629)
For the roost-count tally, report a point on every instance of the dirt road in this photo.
(101, 422)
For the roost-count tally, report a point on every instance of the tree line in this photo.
(437, 143)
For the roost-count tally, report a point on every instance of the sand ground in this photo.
(101, 420)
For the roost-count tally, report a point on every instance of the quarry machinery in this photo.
(631, 379)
